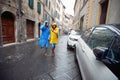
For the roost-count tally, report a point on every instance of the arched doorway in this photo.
(8, 30)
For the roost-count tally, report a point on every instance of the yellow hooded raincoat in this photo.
(54, 35)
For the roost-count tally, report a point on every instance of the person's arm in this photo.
(49, 35)
(42, 27)
(56, 31)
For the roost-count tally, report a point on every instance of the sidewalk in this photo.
(14, 53)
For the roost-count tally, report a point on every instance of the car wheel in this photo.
(68, 47)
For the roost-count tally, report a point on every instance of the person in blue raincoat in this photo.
(44, 37)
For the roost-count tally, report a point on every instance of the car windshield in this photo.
(75, 32)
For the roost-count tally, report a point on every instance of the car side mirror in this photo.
(100, 52)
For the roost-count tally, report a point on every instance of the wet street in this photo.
(26, 61)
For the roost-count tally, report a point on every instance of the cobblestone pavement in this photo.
(26, 62)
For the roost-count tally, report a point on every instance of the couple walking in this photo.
(48, 35)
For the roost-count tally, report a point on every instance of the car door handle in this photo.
(83, 49)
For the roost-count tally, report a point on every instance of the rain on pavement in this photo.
(26, 62)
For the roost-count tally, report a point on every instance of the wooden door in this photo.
(30, 29)
(8, 32)
(104, 7)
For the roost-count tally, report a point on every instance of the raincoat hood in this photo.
(54, 24)
(46, 22)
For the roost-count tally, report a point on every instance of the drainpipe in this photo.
(19, 21)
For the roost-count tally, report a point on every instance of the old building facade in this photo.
(107, 12)
(20, 20)
(76, 14)
(68, 21)
(95, 12)
(3, 24)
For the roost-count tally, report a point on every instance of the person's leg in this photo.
(42, 44)
(46, 48)
(53, 48)
(45, 51)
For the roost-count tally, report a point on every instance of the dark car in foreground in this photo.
(98, 53)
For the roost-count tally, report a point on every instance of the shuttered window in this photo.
(39, 7)
(31, 4)
(49, 5)
(48, 18)
(55, 13)
(46, 3)
(45, 16)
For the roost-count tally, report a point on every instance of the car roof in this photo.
(114, 27)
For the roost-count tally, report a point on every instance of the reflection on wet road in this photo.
(27, 62)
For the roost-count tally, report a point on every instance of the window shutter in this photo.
(39, 7)
(55, 14)
(45, 16)
(48, 19)
(46, 2)
(31, 4)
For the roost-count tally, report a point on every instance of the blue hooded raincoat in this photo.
(44, 38)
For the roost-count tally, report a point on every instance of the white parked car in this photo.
(73, 37)
(98, 53)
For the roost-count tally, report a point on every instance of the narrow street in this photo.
(90, 26)
(26, 62)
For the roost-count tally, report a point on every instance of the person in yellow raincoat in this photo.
(53, 36)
